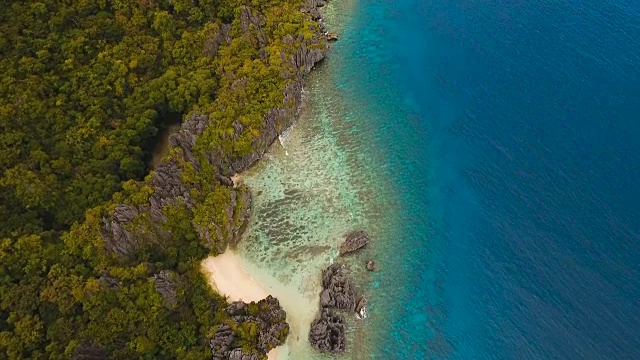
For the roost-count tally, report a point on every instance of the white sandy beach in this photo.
(227, 275)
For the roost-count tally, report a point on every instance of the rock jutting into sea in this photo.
(371, 265)
(355, 241)
(360, 306)
(327, 333)
(338, 292)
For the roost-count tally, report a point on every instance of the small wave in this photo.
(363, 313)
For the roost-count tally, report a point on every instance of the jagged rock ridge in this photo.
(327, 333)
(122, 236)
(355, 241)
(266, 316)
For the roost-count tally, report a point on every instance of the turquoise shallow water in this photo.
(491, 151)
(323, 178)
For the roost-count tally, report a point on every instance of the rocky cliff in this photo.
(195, 178)
(130, 226)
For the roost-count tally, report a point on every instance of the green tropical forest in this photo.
(99, 252)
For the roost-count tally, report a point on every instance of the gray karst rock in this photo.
(331, 36)
(168, 188)
(312, 6)
(220, 36)
(109, 282)
(371, 265)
(166, 284)
(224, 180)
(354, 241)
(315, 3)
(338, 291)
(238, 354)
(116, 238)
(360, 305)
(222, 342)
(327, 333)
(253, 20)
(269, 318)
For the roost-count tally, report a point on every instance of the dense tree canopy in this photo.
(85, 86)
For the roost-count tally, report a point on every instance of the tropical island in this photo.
(100, 255)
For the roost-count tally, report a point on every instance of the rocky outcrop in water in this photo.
(371, 265)
(266, 316)
(338, 292)
(360, 306)
(355, 241)
(327, 333)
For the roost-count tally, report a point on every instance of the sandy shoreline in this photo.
(226, 274)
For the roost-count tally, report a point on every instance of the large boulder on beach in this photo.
(327, 332)
(354, 241)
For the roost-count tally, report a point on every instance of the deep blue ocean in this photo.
(511, 133)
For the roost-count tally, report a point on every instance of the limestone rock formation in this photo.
(360, 306)
(123, 238)
(355, 240)
(238, 354)
(266, 315)
(371, 265)
(327, 333)
(312, 8)
(222, 342)
(166, 284)
(109, 282)
(338, 292)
